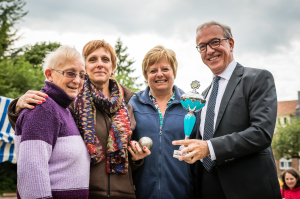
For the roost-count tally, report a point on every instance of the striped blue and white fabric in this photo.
(7, 134)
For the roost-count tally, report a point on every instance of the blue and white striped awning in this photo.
(7, 134)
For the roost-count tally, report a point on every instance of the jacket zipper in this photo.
(159, 160)
(160, 154)
(160, 135)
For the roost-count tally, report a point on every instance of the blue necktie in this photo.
(209, 121)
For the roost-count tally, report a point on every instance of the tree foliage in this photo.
(124, 70)
(8, 176)
(36, 53)
(20, 69)
(11, 11)
(19, 76)
(24, 72)
(286, 141)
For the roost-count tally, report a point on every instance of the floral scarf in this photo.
(86, 102)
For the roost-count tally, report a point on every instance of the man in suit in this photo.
(233, 141)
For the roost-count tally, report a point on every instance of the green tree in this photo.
(286, 141)
(124, 69)
(11, 11)
(8, 176)
(36, 53)
(18, 76)
(23, 71)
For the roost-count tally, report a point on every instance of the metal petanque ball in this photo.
(133, 141)
(146, 141)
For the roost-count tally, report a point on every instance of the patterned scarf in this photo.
(86, 102)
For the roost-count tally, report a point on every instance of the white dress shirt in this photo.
(225, 76)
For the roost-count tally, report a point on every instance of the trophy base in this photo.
(176, 153)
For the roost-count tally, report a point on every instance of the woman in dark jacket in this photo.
(105, 119)
(160, 116)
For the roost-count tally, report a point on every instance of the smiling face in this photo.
(99, 67)
(219, 58)
(160, 77)
(71, 86)
(290, 180)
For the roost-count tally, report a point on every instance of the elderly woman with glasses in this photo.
(105, 120)
(160, 116)
(49, 166)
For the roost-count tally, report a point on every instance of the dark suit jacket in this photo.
(243, 135)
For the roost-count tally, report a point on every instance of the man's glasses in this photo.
(214, 43)
(71, 75)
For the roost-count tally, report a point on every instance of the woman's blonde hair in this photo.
(61, 56)
(96, 44)
(155, 55)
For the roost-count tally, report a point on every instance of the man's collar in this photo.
(226, 74)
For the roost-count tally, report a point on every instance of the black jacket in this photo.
(243, 135)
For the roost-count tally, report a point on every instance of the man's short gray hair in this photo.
(226, 29)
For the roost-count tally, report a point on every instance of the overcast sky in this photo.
(266, 33)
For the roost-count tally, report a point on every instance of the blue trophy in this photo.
(192, 102)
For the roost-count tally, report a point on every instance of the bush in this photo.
(8, 176)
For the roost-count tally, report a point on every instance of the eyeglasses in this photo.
(214, 43)
(71, 75)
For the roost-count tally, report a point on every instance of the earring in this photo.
(111, 74)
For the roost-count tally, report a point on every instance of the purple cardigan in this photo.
(52, 159)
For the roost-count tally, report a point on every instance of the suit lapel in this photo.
(205, 92)
(232, 83)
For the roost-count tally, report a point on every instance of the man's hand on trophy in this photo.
(194, 149)
(137, 152)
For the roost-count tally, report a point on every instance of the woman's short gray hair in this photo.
(226, 29)
(61, 56)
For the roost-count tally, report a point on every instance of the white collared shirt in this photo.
(225, 76)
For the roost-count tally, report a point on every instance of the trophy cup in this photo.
(192, 102)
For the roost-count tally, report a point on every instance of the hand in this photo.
(195, 149)
(136, 152)
(30, 97)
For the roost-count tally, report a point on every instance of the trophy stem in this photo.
(192, 102)
(189, 122)
(191, 113)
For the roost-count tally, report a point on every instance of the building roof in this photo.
(287, 107)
